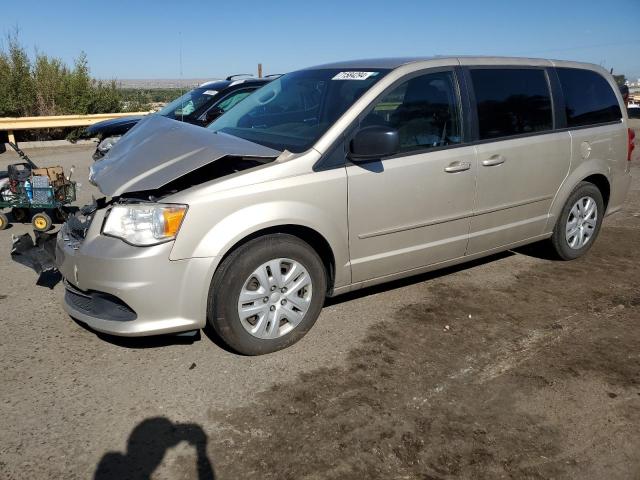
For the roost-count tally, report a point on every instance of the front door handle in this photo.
(457, 167)
(493, 160)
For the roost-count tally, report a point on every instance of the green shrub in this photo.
(42, 85)
(45, 85)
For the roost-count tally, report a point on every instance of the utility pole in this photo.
(259, 70)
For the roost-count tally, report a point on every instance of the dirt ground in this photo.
(516, 366)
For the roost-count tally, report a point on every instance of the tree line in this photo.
(43, 85)
(40, 85)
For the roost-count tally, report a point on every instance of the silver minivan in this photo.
(338, 177)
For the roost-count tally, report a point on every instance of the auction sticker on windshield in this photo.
(210, 92)
(354, 75)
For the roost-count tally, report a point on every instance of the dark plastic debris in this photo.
(40, 256)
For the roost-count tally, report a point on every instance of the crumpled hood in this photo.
(159, 150)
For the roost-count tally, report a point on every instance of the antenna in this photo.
(181, 79)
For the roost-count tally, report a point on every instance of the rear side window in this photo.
(588, 98)
(512, 101)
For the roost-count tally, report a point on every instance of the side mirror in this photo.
(374, 142)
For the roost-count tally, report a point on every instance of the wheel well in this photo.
(309, 235)
(602, 183)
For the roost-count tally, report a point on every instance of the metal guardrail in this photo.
(10, 124)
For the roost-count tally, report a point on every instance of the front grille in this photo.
(99, 304)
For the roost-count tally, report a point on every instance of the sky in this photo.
(137, 39)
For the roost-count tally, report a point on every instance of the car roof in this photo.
(395, 62)
(223, 84)
(391, 62)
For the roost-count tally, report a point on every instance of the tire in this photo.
(569, 247)
(237, 274)
(41, 222)
(4, 221)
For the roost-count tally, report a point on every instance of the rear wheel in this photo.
(267, 294)
(4, 221)
(579, 223)
(41, 222)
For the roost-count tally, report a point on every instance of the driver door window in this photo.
(424, 110)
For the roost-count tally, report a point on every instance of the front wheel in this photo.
(579, 223)
(267, 294)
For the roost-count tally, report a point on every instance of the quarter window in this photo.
(424, 110)
(588, 98)
(512, 101)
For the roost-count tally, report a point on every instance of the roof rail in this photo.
(231, 77)
(273, 75)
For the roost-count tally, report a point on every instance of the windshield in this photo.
(293, 111)
(188, 103)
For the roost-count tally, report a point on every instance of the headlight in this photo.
(144, 224)
(105, 145)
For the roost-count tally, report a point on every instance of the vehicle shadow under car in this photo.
(419, 278)
(152, 341)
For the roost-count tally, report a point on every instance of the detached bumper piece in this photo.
(39, 255)
(98, 305)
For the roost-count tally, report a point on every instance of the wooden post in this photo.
(11, 137)
(259, 70)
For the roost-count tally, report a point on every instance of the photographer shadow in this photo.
(147, 446)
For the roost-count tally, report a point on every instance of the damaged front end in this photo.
(160, 151)
(156, 159)
(39, 253)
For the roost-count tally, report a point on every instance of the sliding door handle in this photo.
(493, 160)
(457, 167)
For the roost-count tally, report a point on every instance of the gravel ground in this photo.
(511, 367)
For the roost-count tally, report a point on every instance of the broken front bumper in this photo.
(124, 290)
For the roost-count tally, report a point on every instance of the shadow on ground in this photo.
(146, 448)
(423, 277)
(153, 341)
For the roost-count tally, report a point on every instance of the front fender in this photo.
(213, 227)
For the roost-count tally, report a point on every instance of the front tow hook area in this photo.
(38, 255)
